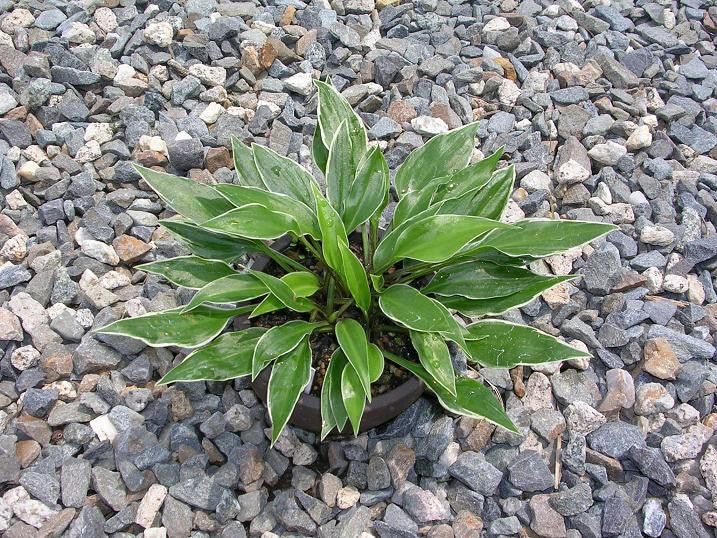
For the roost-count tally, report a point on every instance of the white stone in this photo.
(19, 18)
(211, 114)
(557, 295)
(15, 200)
(7, 102)
(124, 72)
(6, 40)
(695, 290)
(654, 278)
(15, 248)
(603, 192)
(687, 445)
(512, 213)
(10, 328)
(347, 497)
(497, 24)
(85, 317)
(571, 172)
(508, 93)
(152, 143)
(675, 283)
(105, 19)
(114, 279)
(25, 357)
(708, 468)
(428, 125)
(32, 512)
(608, 153)
(79, 33)
(150, 505)
(99, 132)
(28, 170)
(581, 418)
(656, 235)
(5, 515)
(31, 312)
(652, 398)
(211, 76)
(640, 138)
(157, 532)
(536, 181)
(103, 428)
(100, 251)
(159, 33)
(91, 151)
(536, 81)
(300, 83)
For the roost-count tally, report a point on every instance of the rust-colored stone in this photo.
(218, 158)
(130, 248)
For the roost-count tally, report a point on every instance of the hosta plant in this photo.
(441, 267)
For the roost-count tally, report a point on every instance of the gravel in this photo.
(608, 113)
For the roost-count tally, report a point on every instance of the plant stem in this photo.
(341, 310)
(366, 245)
(373, 223)
(282, 260)
(311, 248)
(331, 287)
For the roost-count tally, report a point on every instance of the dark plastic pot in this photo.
(307, 413)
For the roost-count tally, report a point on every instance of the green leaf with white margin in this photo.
(340, 168)
(319, 152)
(332, 231)
(244, 165)
(335, 369)
(283, 175)
(191, 199)
(188, 271)
(506, 345)
(354, 397)
(472, 398)
(437, 238)
(226, 357)
(284, 293)
(435, 357)
(174, 327)
(229, 289)
(253, 221)
(544, 237)
(375, 362)
(338, 255)
(410, 308)
(498, 305)
(302, 283)
(289, 377)
(328, 421)
(367, 192)
(488, 201)
(442, 155)
(484, 280)
(278, 341)
(353, 342)
(355, 278)
(210, 245)
(383, 257)
(332, 110)
(414, 203)
(472, 177)
(274, 201)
